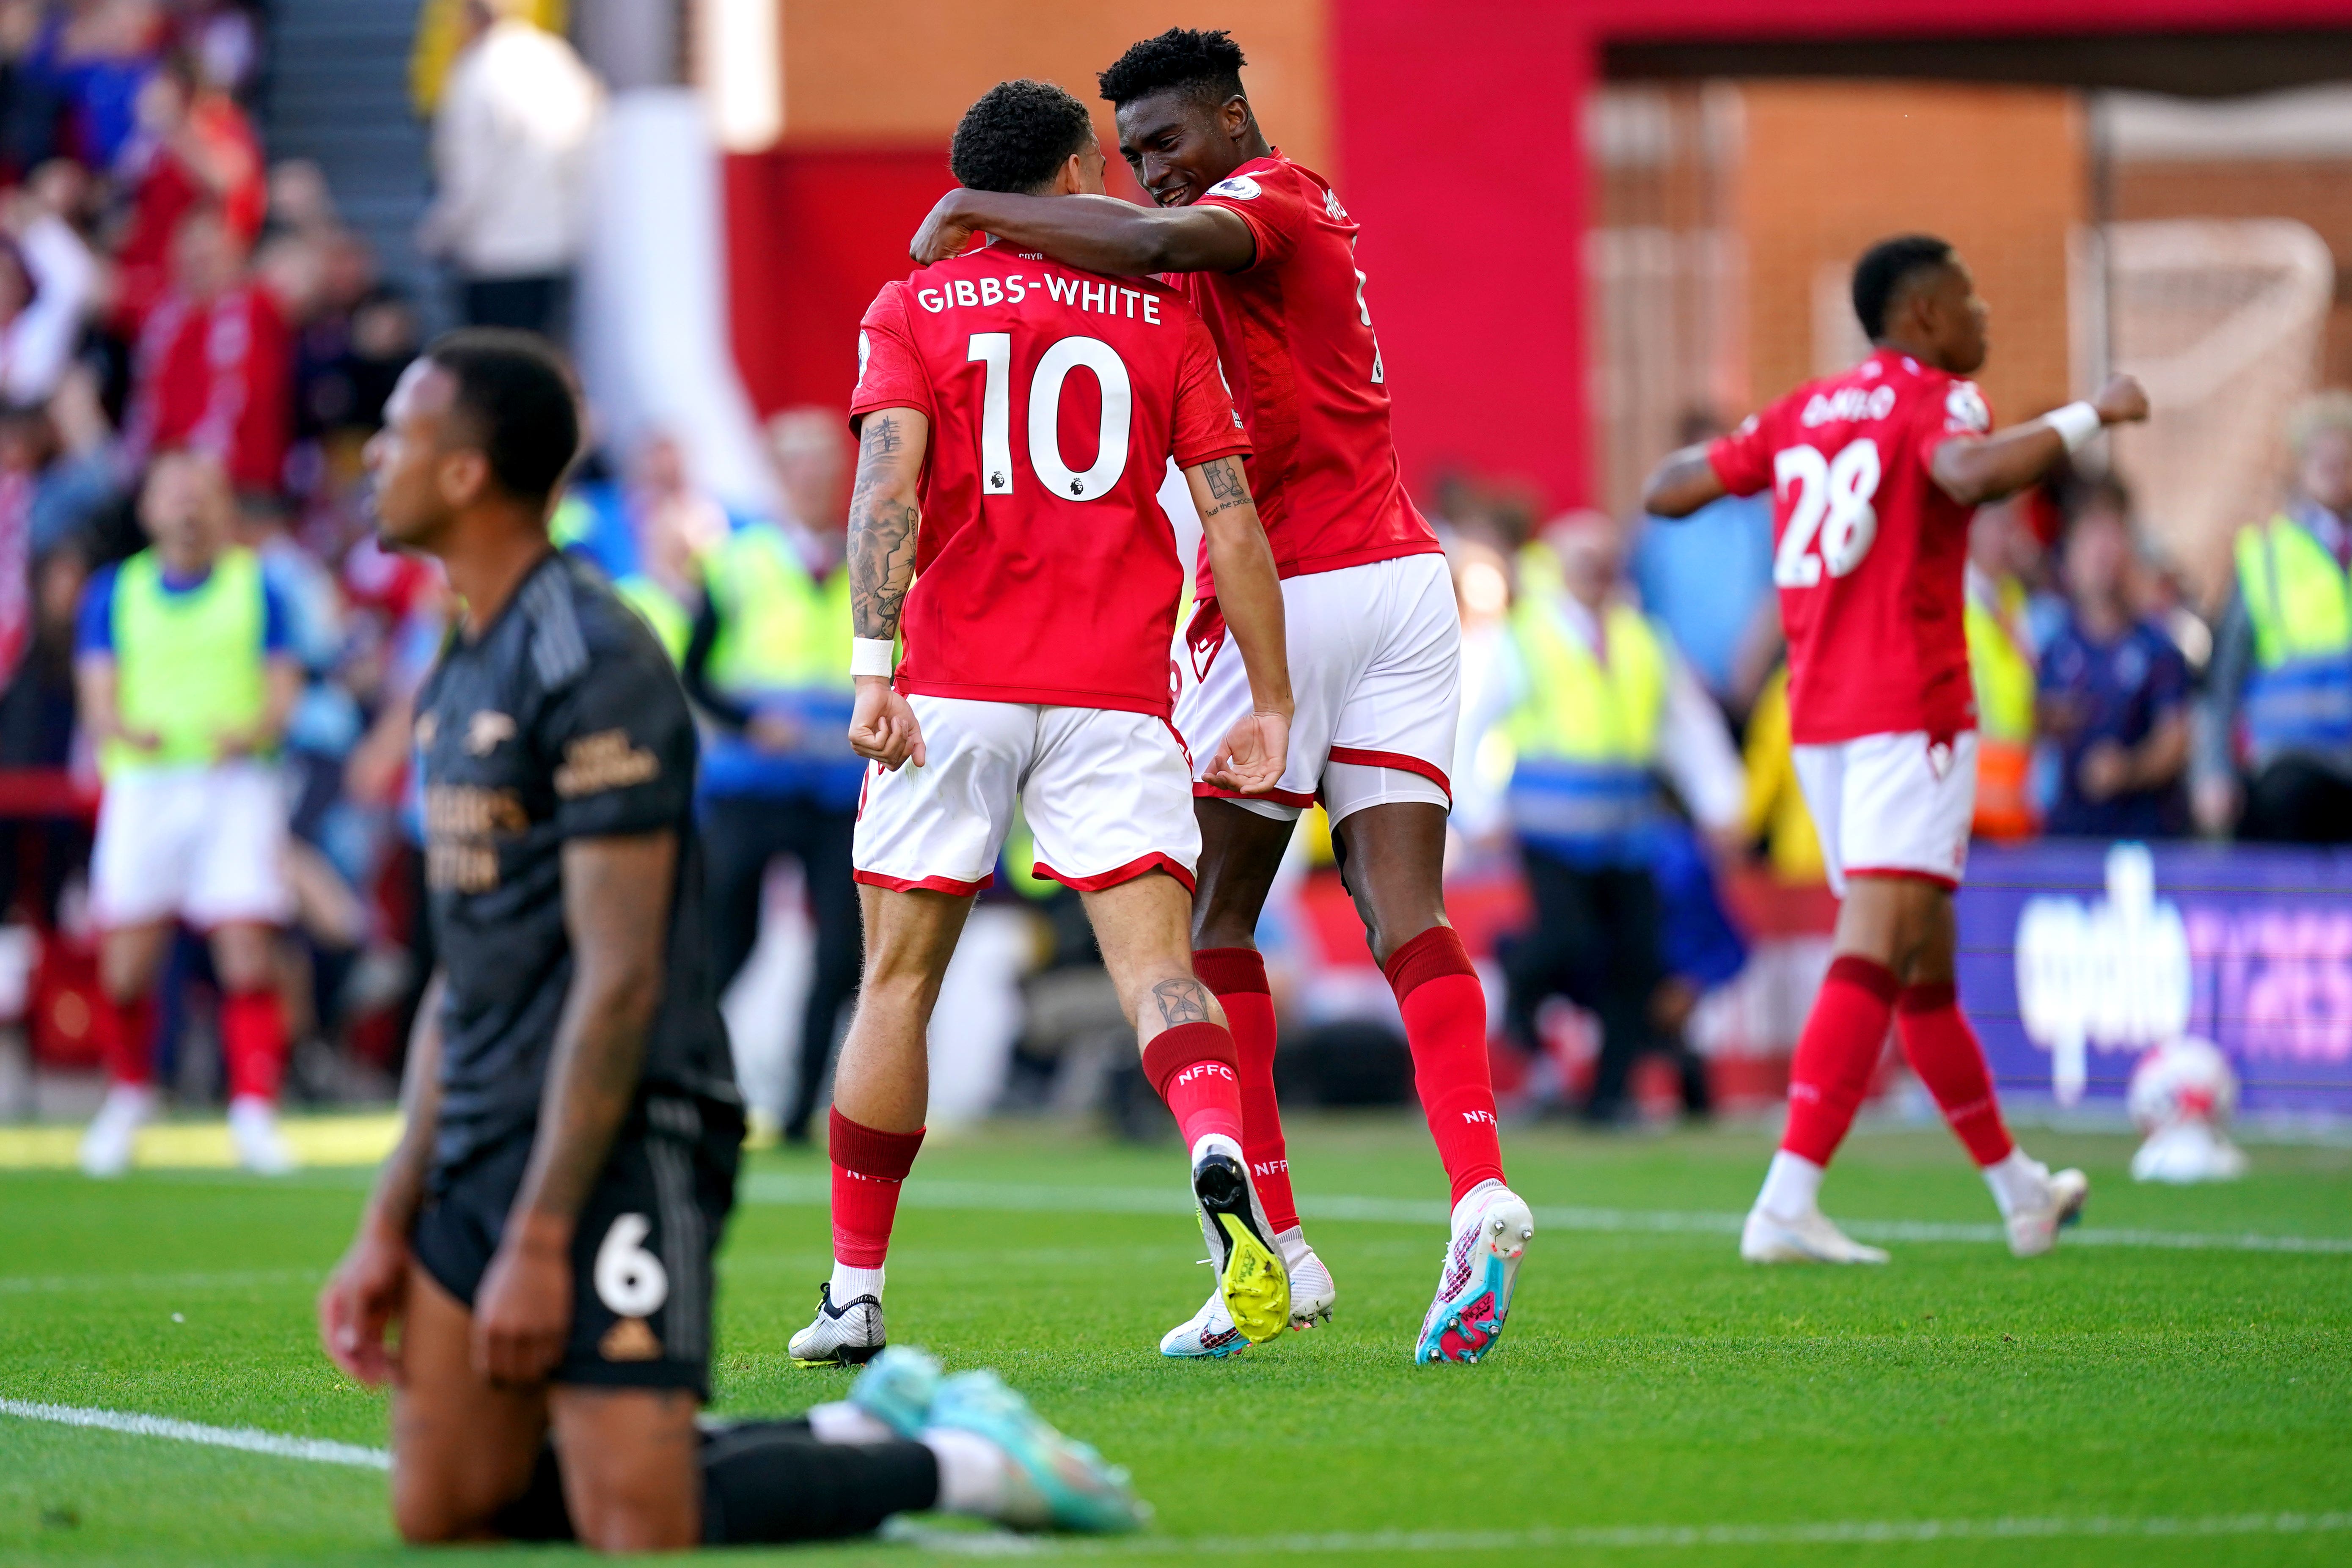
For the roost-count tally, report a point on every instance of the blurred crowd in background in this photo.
(1629, 833)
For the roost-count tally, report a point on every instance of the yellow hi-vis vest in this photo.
(1586, 733)
(659, 608)
(2005, 683)
(2299, 603)
(187, 665)
(780, 631)
(1776, 801)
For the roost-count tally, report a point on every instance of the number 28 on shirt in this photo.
(1868, 552)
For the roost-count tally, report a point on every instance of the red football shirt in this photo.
(1870, 555)
(219, 376)
(1297, 344)
(1044, 570)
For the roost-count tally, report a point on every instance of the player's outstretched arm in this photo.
(884, 518)
(1682, 484)
(1250, 759)
(616, 897)
(1973, 470)
(365, 1294)
(1099, 233)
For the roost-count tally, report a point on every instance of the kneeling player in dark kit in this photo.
(543, 1236)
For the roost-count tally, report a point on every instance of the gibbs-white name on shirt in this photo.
(1099, 296)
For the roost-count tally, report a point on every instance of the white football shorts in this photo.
(203, 845)
(1376, 675)
(1892, 806)
(1108, 796)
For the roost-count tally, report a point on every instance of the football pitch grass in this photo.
(2174, 1386)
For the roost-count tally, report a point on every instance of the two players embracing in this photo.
(1037, 635)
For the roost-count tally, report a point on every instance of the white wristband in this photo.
(872, 655)
(2075, 424)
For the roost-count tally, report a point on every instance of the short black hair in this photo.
(518, 393)
(1207, 65)
(1886, 267)
(1017, 135)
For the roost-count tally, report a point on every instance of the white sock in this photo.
(1292, 1245)
(849, 1283)
(1471, 1201)
(841, 1422)
(1216, 1143)
(2017, 1181)
(1793, 1186)
(974, 1473)
(129, 1098)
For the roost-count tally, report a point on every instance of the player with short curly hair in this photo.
(1203, 65)
(1035, 601)
(1017, 136)
(1264, 250)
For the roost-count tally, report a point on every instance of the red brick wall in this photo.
(1831, 167)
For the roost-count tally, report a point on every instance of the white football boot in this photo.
(1807, 1237)
(114, 1132)
(1210, 1332)
(253, 1132)
(1492, 1228)
(848, 1335)
(2033, 1226)
(1252, 1285)
(1311, 1289)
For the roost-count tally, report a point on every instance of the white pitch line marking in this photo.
(250, 1439)
(779, 1187)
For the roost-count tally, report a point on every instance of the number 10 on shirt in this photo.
(994, 350)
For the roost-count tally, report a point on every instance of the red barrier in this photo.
(45, 792)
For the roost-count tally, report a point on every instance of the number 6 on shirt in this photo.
(994, 350)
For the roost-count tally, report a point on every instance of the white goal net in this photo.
(2221, 322)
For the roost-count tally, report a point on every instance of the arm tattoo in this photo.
(1181, 1002)
(881, 534)
(1227, 486)
(881, 548)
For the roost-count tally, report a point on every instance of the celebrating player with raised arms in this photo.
(1014, 418)
(1262, 246)
(1875, 475)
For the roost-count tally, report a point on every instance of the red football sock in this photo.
(253, 1043)
(1944, 1052)
(1836, 1055)
(125, 1035)
(1237, 975)
(1444, 1013)
(1192, 1066)
(869, 1165)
